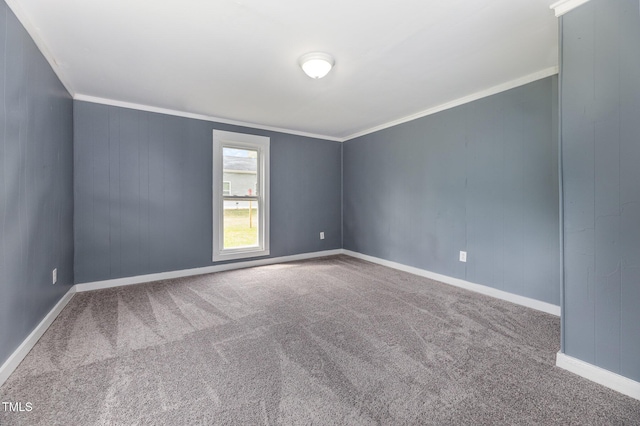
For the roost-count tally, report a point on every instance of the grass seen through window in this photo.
(240, 228)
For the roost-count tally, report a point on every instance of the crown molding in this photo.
(33, 31)
(167, 111)
(547, 72)
(560, 7)
(563, 6)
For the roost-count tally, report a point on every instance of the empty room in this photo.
(340, 212)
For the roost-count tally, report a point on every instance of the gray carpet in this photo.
(328, 341)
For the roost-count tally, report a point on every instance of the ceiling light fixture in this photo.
(316, 64)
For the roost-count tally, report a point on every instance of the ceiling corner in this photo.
(563, 6)
(32, 30)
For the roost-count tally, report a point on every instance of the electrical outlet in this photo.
(322, 235)
(54, 275)
(463, 256)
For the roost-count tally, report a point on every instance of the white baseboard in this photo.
(19, 354)
(599, 375)
(478, 288)
(604, 377)
(139, 279)
(16, 358)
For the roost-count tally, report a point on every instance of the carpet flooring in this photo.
(329, 341)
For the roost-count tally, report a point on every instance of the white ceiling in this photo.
(236, 60)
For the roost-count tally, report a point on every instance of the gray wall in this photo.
(36, 198)
(600, 106)
(481, 177)
(143, 192)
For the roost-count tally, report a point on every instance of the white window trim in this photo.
(244, 141)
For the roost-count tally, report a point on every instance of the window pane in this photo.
(240, 189)
(240, 224)
(240, 174)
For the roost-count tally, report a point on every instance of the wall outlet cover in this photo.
(463, 256)
(322, 235)
(54, 275)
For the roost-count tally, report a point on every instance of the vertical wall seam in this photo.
(4, 139)
(148, 216)
(595, 222)
(119, 197)
(109, 183)
(466, 112)
(621, 259)
(561, 188)
(73, 195)
(342, 194)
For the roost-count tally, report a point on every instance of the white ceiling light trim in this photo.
(316, 64)
(563, 6)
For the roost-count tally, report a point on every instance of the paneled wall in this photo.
(143, 201)
(36, 189)
(481, 177)
(600, 105)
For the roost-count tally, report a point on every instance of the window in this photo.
(240, 195)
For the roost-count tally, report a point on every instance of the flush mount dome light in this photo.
(316, 64)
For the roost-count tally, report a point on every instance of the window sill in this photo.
(239, 254)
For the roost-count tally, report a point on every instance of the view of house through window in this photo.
(241, 207)
(240, 195)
